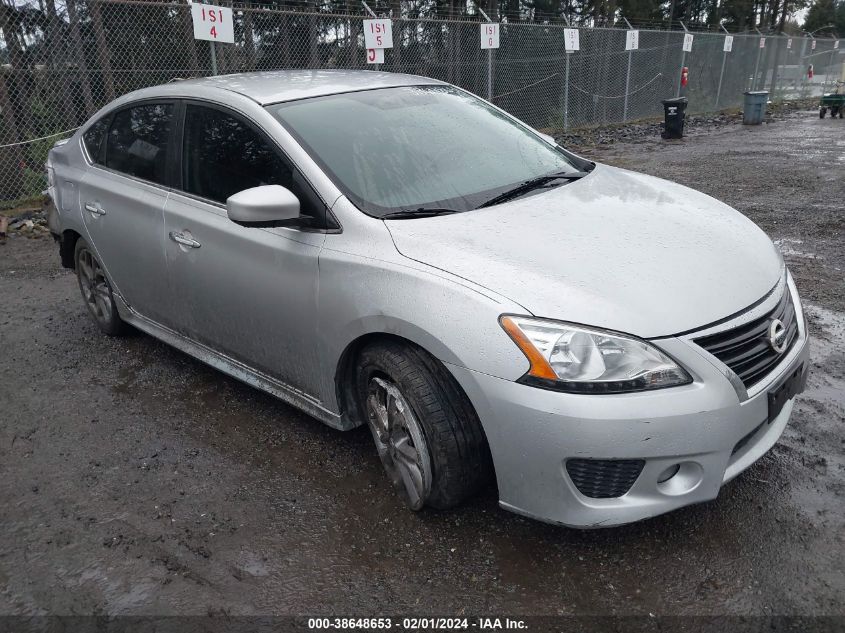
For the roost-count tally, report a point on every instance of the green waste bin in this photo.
(754, 109)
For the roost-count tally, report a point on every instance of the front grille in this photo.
(604, 478)
(747, 349)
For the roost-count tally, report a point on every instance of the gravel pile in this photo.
(650, 129)
(28, 223)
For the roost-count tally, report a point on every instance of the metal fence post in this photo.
(627, 77)
(829, 70)
(721, 72)
(374, 16)
(489, 60)
(566, 93)
(627, 87)
(803, 70)
(757, 65)
(489, 74)
(683, 63)
(213, 51)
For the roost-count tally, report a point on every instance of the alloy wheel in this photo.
(95, 288)
(400, 441)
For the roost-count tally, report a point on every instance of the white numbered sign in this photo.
(836, 44)
(813, 45)
(729, 43)
(375, 55)
(789, 43)
(762, 42)
(687, 42)
(490, 35)
(378, 34)
(632, 40)
(212, 23)
(570, 39)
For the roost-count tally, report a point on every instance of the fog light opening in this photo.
(680, 479)
(667, 474)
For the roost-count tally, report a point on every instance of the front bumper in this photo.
(711, 428)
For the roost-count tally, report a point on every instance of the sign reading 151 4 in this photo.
(212, 23)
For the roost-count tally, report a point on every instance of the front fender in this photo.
(450, 318)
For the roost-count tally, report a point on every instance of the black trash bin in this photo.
(673, 113)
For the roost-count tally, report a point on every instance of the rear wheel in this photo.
(427, 433)
(96, 290)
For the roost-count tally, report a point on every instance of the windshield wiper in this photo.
(422, 212)
(532, 184)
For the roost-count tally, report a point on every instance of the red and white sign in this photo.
(762, 42)
(729, 43)
(375, 55)
(687, 47)
(490, 35)
(378, 34)
(212, 23)
(570, 40)
(632, 40)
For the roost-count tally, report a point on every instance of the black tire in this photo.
(460, 463)
(822, 112)
(96, 290)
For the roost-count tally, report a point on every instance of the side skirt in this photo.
(233, 368)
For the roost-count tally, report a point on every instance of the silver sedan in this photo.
(390, 250)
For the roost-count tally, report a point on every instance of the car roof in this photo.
(274, 86)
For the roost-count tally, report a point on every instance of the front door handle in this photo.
(94, 208)
(184, 241)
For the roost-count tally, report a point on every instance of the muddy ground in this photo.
(136, 480)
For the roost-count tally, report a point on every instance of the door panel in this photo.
(248, 292)
(125, 221)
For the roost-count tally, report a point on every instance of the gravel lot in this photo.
(136, 480)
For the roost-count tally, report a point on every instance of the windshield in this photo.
(418, 147)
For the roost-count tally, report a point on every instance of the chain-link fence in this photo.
(63, 60)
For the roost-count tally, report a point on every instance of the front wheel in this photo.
(96, 290)
(822, 112)
(426, 431)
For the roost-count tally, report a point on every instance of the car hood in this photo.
(615, 249)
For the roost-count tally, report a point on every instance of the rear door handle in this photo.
(95, 208)
(184, 241)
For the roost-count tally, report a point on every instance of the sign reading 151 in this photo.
(212, 23)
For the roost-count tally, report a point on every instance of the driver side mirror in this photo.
(268, 205)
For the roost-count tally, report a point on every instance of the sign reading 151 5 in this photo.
(212, 23)
(378, 33)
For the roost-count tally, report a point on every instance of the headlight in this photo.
(584, 360)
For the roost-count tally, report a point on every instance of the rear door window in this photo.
(93, 139)
(137, 141)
